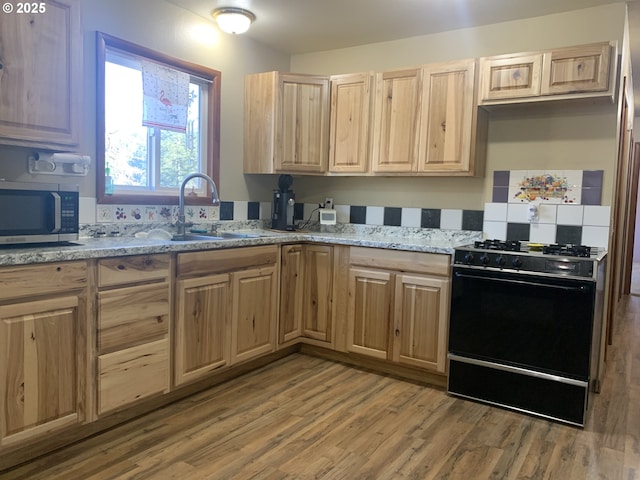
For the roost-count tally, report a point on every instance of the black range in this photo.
(525, 326)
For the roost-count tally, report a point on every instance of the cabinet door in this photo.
(291, 293)
(202, 326)
(253, 320)
(448, 104)
(303, 124)
(349, 127)
(396, 121)
(41, 75)
(577, 69)
(369, 312)
(42, 366)
(318, 288)
(420, 321)
(511, 76)
(260, 96)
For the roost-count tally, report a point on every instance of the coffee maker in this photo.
(284, 201)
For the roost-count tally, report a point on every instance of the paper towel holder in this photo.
(69, 164)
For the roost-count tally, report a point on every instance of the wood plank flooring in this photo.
(308, 418)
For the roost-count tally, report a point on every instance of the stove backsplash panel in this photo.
(568, 203)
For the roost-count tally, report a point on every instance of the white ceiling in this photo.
(303, 26)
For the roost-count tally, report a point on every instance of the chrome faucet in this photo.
(181, 223)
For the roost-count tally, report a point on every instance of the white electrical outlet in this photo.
(328, 202)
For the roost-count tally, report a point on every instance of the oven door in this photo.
(535, 322)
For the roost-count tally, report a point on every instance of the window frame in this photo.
(212, 128)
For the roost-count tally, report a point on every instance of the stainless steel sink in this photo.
(191, 237)
(238, 235)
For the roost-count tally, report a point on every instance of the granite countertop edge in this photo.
(90, 248)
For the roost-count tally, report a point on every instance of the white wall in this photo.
(166, 28)
(571, 140)
(578, 139)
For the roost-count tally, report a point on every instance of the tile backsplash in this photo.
(569, 210)
(447, 219)
(568, 203)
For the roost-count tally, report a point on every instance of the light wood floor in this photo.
(303, 418)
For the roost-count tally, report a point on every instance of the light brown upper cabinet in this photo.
(449, 126)
(577, 69)
(396, 121)
(286, 123)
(41, 76)
(426, 121)
(349, 124)
(510, 76)
(584, 71)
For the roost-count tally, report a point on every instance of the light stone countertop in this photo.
(395, 238)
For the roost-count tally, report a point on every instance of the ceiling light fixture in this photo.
(232, 19)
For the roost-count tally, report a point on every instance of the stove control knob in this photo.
(517, 263)
(484, 259)
(468, 258)
(500, 261)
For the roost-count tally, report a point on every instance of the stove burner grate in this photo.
(567, 249)
(506, 245)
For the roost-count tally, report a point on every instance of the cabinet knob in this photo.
(397, 332)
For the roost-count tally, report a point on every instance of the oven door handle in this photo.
(565, 288)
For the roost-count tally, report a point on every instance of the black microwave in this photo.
(38, 213)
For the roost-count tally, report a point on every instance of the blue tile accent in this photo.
(501, 178)
(393, 216)
(569, 234)
(472, 220)
(431, 218)
(592, 178)
(591, 196)
(253, 211)
(226, 210)
(358, 214)
(500, 194)
(518, 231)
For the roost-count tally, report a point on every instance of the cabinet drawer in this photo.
(130, 375)
(218, 261)
(27, 281)
(133, 315)
(433, 263)
(138, 268)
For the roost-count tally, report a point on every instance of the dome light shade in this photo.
(232, 19)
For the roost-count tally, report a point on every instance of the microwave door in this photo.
(29, 213)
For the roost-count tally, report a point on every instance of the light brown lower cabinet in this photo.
(133, 334)
(306, 293)
(202, 339)
(226, 309)
(398, 307)
(254, 313)
(43, 351)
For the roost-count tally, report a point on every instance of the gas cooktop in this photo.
(567, 249)
(524, 257)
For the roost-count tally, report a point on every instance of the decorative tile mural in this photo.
(548, 187)
(570, 187)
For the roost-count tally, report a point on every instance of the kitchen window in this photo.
(158, 120)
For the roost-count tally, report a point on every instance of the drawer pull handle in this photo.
(148, 262)
(121, 267)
